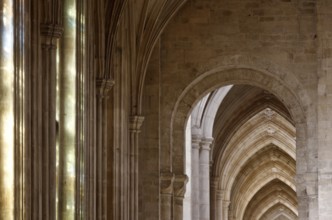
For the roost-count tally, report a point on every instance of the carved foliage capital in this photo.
(180, 183)
(103, 87)
(166, 183)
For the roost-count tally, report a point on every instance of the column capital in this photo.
(166, 183)
(103, 87)
(51, 30)
(206, 143)
(220, 194)
(214, 182)
(207, 140)
(196, 138)
(180, 182)
(226, 203)
(195, 141)
(135, 123)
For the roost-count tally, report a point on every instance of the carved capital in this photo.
(214, 182)
(180, 183)
(51, 31)
(226, 203)
(166, 183)
(206, 143)
(135, 123)
(103, 87)
(195, 141)
(220, 194)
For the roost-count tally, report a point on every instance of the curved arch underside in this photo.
(253, 155)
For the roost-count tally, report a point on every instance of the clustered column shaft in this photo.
(135, 126)
(47, 148)
(225, 209)
(200, 181)
(213, 197)
(172, 190)
(179, 185)
(166, 192)
(195, 176)
(204, 169)
(103, 91)
(219, 205)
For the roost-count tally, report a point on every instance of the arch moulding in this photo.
(249, 71)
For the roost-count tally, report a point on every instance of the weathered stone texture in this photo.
(163, 57)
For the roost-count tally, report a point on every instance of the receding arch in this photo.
(268, 195)
(292, 95)
(247, 184)
(272, 202)
(204, 112)
(232, 114)
(277, 210)
(259, 182)
(216, 79)
(252, 140)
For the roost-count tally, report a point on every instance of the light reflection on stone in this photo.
(6, 113)
(67, 117)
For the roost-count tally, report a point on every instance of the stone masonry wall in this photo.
(324, 11)
(207, 34)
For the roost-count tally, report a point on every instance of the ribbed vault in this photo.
(266, 127)
(279, 212)
(254, 156)
(270, 164)
(242, 103)
(275, 192)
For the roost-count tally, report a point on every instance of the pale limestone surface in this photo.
(141, 68)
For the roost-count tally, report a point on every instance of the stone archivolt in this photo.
(262, 152)
(255, 167)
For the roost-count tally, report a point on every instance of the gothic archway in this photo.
(282, 85)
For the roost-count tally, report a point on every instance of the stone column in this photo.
(103, 88)
(179, 188)
(213, 198)
(204, 175)
(135, 126)
(195, 141)
(7, 109)
(166, 191)
(67, 120)
(50, 33)
(219, 205)
(225, 209)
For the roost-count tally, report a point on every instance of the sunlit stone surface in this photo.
(6, 112)
(271, 155)
(67, 115)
